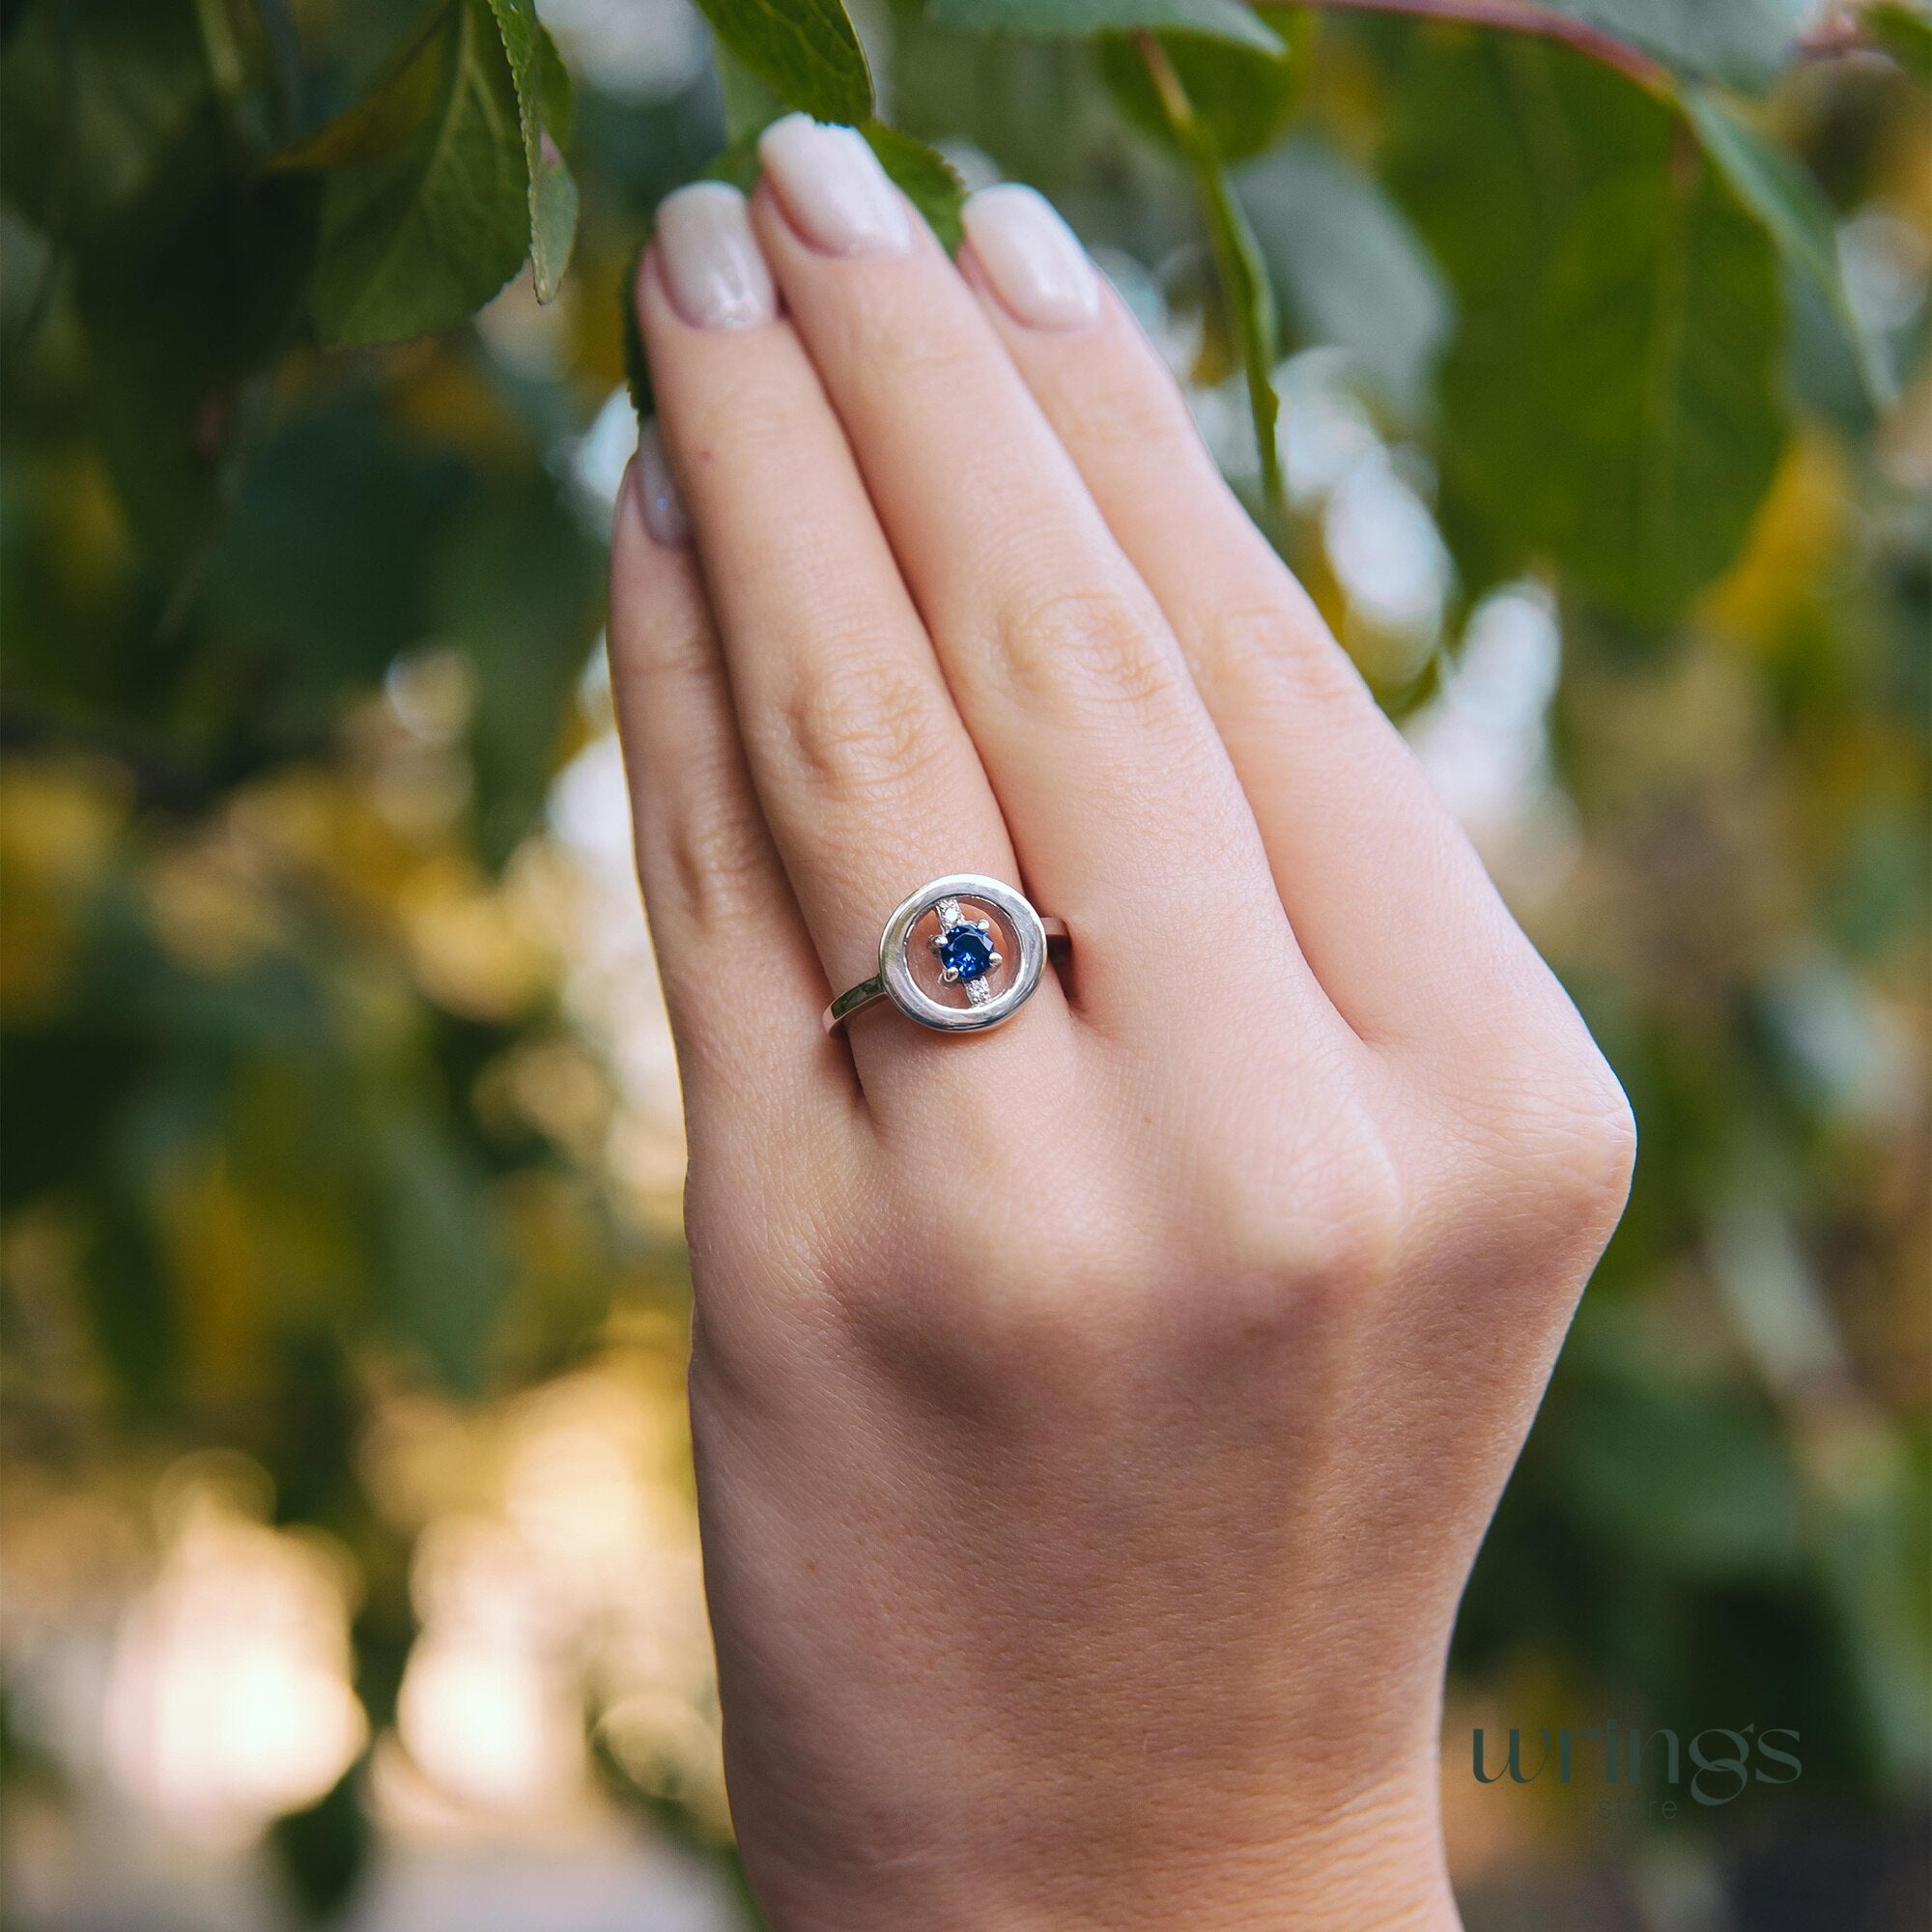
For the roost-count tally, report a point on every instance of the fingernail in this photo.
(665, 514)
(713, 269)
(834, 189)
(1033, 261)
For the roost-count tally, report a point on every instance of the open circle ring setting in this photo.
(960, 955)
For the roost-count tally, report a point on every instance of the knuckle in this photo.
(1004, 1324)
(1558, 1119)
(717, 852)
(1009, 1326)
(737, 1342)
(1313, 1233)
(666, 647)
(857, 730)
(1087, 650)
(1339, 1253)
(1273, 649)
(1332, 1236)
(1598, 1141)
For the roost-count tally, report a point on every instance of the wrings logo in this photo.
(1645, 1769)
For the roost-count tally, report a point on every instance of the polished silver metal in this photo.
(1036, 937)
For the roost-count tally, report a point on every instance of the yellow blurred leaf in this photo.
(1796, 538)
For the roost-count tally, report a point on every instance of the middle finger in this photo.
(1118, 794)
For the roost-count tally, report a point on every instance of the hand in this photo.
(1096, 1416)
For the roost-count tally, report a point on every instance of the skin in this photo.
(1096, 1417)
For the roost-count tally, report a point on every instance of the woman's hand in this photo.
(1095, 1416)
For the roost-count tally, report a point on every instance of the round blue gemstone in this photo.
(967, 951)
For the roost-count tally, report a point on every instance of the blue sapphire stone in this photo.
(967, 951)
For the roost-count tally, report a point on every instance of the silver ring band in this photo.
(968, 984)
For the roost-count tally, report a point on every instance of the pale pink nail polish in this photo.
(713, 268)
(1036, 265)
(665, 514)
(832, 188)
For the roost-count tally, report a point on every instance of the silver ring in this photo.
(970, 983)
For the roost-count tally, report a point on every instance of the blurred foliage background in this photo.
(1577, 361)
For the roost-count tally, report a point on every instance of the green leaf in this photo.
(553, 219)
(131, 1300)
(1247, 296)
(180, 296)
(1775, 187)
(518, 583)
(90, 100)
(1905, 32)
(637, 364)
(926, 178)
(241, 65)
(1695, 1477)
(1820, 366)
(552, 193)
(420, 235)
(1242, 94)
(397, 105)
(1742, 41)
(1220, 20)
(446, 1271)
(1655, 349)
(751, 105)
(316, 580)
(1349, 267)
(1612, 403)
(736, 163)
(806, 50)
(1249, 299)
(229, 37)
(557, 98)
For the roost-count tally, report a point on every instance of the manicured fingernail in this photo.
(834, 189)
(713, 269)
(665, 514)
(1036, 267)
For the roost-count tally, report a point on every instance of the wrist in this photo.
(1363, 1860)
